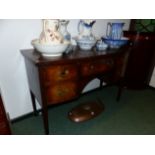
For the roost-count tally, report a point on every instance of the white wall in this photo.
(152, 81)
(16, 35)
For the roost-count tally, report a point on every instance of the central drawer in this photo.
(60, 73)
(96, 67)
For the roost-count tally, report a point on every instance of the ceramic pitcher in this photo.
(114, 30)
(50, 33)
(85, 29)
(64, 31)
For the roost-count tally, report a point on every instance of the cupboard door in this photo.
(138, 68)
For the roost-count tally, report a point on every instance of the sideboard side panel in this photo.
(33, 79)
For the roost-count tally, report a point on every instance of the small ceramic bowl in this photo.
(101, 46)
(50, 50)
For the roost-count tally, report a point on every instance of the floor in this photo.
(134, 114)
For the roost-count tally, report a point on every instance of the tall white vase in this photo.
(64, 31)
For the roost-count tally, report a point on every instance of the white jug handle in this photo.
(79, 26)
(108, 31)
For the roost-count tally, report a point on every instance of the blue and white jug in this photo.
(114, 31)
(85, 29)
(64, 31)
(85, 39)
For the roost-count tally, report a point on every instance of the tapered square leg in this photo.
(34, 104)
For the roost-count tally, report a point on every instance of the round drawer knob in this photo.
(146, 38)
(92, 67)
(64, 72)
(131, 44)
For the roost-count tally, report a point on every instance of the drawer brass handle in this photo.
(92, 67)
(64, 72)
(110, 62)
(147, 38)
(62, 92)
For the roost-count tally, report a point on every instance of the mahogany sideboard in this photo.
(60, 79)
(4, 122)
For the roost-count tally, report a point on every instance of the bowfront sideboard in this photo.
(57, 80)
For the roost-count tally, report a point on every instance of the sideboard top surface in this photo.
(73, 56)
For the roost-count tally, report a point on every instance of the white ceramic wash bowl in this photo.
(85, 44)
(50, 50)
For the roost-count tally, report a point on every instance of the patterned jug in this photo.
(85, 29)
(114, 31)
